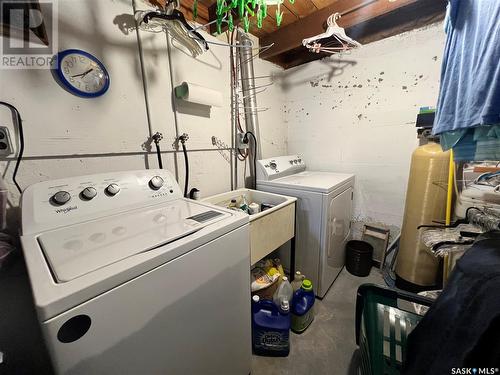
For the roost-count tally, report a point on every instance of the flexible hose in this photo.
(21, 143)
(449, 201)
(449, 196)
(158, 154)
(254, 157)
(157, 137)
(186, 163)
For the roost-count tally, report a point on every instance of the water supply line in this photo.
(249, 96)
(183, 139)
(157, 137)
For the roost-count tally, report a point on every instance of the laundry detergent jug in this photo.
(303, 307)
(270, 328)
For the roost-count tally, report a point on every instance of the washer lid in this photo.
(323, 182)
(80, 249)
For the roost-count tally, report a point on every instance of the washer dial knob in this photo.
(273, 165)
(89, 193)
(112, 189)
(61, 197)
(156, 183)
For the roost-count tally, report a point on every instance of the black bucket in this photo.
(358, 257)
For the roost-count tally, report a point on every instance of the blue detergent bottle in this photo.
(303, 307)
(270, 328)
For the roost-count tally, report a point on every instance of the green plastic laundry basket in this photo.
(382, 327)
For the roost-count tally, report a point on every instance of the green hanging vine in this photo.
(246, 9)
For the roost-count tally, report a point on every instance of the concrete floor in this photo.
(328, 346)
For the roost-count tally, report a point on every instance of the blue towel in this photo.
(470, 79)
(473, 144)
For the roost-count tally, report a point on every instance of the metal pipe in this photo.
(249, 94)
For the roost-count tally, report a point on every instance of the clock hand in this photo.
(87, 72)
(83, 74)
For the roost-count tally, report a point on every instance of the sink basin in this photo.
(269, 229)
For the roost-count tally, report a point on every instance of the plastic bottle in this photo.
(232, 204)
(283, 293)
(270, 328)
(297, 281)
(303, 307)
(244, 204)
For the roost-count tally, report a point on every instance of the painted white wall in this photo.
(69, 136)
(342, 113)
(356, 113)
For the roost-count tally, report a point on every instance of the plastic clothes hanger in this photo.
(335, 38)
(174, 22)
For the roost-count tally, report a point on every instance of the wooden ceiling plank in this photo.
(321, 3)
(207, 3)
(291, 36)
(300, 8)
(370, 11)
(202, 10)
(188, 14)
(288, 16)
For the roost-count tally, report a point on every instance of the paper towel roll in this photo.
(194, 93)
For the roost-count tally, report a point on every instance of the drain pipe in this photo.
(249, 95)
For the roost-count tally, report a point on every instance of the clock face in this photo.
(81, 73)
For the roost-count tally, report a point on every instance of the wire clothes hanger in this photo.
(333, 40)
(171, 20)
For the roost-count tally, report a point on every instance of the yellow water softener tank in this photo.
(416, 268)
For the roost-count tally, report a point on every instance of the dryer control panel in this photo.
(281, 166)
(51, 204)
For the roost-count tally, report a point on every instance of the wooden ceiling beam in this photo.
(419, 14)
(352, 11)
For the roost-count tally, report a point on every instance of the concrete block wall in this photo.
(356, 113)
(349, 113)
(68, 136)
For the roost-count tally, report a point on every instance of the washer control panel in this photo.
(47, 204)
(281, 166)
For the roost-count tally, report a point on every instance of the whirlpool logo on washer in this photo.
(66, 210)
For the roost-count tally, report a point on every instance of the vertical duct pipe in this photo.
(249, 95)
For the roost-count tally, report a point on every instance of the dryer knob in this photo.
(156, 183)
(273, 165)
(113, 189)
(89, 193)
(61, 197)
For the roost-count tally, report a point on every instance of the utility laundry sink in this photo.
(269, 229)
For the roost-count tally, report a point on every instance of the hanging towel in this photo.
(470, 79)
(473, 144)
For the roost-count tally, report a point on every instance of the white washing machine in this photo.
(129, 277)
(324, 210)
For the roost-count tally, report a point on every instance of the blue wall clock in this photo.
(81, 74)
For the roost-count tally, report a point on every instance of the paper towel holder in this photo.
(193, 93)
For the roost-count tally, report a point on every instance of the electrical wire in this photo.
(21, 143)
(254, 156)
